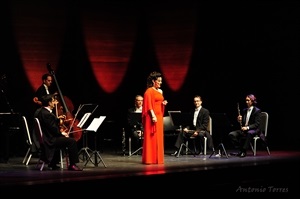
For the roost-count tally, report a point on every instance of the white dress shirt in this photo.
(196, 115)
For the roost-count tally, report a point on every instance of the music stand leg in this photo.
(85, 150)
(221, 148)
(96, 155)
(179, 151)
(85, 153)
(136, 151)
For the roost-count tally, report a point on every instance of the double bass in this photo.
(69, 124)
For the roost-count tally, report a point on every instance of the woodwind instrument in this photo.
(123, 142)
(239, 113)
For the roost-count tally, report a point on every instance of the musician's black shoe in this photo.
(175, 153)
(243, 154)
(239, 153)
(199, 153)
(53, 167)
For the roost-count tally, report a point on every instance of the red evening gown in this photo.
(153, 145)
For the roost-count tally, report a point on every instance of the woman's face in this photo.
(157, 83)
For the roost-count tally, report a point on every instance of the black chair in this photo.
(135, 127)
(140, 141)
(177, 120)
(204, 144)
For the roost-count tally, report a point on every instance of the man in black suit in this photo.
(249, 121)
(45, 88)
(53, 138)
(197, 127)
(135, 127)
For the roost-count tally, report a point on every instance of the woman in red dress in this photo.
(152, 118)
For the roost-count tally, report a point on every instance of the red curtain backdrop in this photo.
(109, 38)
(39, 29)
(173, 34)
(109, 35)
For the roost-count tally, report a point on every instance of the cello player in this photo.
(53, 138)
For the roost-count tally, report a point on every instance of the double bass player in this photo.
(46, 87)
(63, 104)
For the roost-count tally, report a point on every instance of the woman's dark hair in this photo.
(153, 76)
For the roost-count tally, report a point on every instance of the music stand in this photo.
(171, 113)
(88, 110)
(181, 119)
(94, 127)
(220, 123)
(136, 119)
(85, 150)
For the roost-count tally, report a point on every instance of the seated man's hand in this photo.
(195, 134)
(65, 134)
(139, 133)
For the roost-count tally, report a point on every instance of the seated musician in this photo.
(53, 137)
(135, 127)
(199, 120)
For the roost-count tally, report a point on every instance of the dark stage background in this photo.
(103, 52)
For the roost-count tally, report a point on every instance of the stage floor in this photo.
(278, 173)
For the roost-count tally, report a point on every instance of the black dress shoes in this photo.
(243, 154)
(53, 167)
(175, 153)
(74, 168)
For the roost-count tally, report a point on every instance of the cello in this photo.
(69, 124)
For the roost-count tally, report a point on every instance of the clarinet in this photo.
(123, 142)
(239, 113)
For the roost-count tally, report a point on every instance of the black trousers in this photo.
(69, 144)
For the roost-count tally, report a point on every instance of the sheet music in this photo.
(96, 123)
(83, 120)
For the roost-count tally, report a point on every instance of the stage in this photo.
(186, 175)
